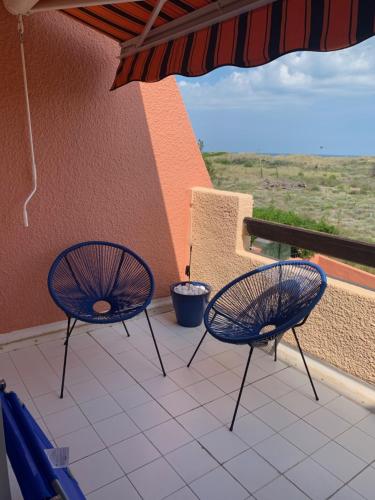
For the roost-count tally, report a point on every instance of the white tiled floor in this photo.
(134, 434)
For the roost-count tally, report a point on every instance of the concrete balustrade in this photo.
(341, 329)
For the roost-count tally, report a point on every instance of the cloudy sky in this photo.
(301, 103)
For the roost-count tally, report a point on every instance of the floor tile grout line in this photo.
(347, 483)
(200, 405)
(269, 463)
(223, 424)
(66, 389)
(86, 456)
(144, 330)
(140, 383)
(264, 458)
(354, 426)
(237, 480)
(141, 431)
(296, 486)
(322, 466)
(257, 380)
(339, 434)
(156, 401)
(187, 486)
(106, 484)
(84, 364)
(287, 479)
(147, 391)
(105, 418)
(54, 438)
(230, 474)
(122, 368)
(20, 376)
(152, 461)
(32, 399)
(354, 402)
(320, 447)
(332, 473)
(89, 425)
(202, 475)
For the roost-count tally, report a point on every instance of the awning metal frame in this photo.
(150, 22)
(204, 17)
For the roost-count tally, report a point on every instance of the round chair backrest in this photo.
(268, 300)
(87, 276)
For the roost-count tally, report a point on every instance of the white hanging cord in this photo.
(33, 164)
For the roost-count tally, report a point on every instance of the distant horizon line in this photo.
(293, 154)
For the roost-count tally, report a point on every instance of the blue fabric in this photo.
(25, 444)
(97, 270)
(266, 302)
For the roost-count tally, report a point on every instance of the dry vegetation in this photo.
(339, 190)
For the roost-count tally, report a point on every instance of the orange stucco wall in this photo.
(345, 272)
(116, 166)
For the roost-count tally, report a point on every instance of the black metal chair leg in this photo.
(242, 386)
(196, 350)
(66, 344)
(126, 329)
(198, 346)
(156, 345)
(275, 353)
(304, 362)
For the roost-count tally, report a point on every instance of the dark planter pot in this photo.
(189, 309)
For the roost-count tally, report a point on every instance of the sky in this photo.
(304, 102)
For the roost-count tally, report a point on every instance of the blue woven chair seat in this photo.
(100, 282)
(94, 271)
(84, 309)
(264, 303)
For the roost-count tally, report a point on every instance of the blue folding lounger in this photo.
(25, 445)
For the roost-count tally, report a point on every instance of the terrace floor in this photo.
(134, 434)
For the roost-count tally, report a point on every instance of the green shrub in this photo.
(215, 153)
(224, 161)
(292, 219)
(330, 181)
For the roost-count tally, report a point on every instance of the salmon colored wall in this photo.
(115, 166)
(345, 272)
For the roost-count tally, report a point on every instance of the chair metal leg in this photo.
(304, 362)
(275, 353)
(242, 386)
(156, 345)
(126, 329)
(196, 350)
(198, 346)
(69, 330)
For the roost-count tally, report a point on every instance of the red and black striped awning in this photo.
(252, 38)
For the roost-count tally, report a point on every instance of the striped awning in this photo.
(193, 37)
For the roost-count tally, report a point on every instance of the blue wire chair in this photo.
(260, 306)
(100, 282)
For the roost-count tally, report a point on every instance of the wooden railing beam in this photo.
(326, 244)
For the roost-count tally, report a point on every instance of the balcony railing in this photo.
(327, 244)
